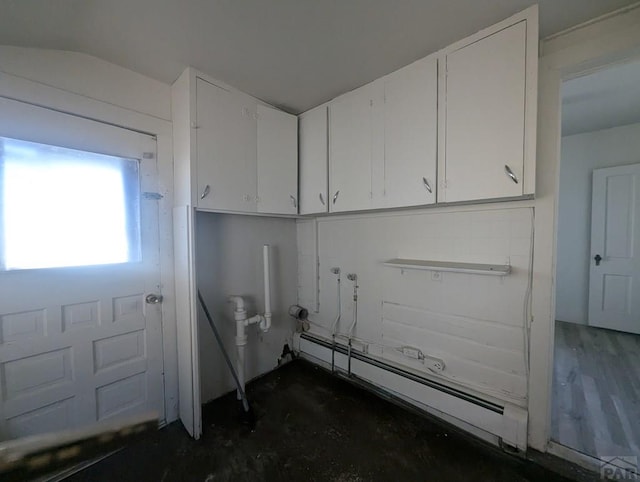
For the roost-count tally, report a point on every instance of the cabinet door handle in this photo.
(205, 192)
(510, 173)
(335, 196)
(426, 184)
(322, 200)
(293, 201)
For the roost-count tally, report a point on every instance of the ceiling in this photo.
(603, 99)
(294, 54)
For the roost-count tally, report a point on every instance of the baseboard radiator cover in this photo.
(496, 423)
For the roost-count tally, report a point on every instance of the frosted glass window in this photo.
(63, 207)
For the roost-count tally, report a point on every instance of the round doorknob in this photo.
(153, 299)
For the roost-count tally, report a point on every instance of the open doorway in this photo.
(596, 378)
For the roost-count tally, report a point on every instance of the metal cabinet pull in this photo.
(335, 196)
(510, 173)
(426, 184)
(206, 192)
(322, 200)
(293, 201)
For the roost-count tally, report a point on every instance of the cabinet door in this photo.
(410, 134)
(485, 117)
(225, 148)
(313, 161)
(351, 125)
(277, 161)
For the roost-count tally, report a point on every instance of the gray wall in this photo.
(581, 154)
(229, 262)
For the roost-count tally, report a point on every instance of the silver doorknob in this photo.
(153, 299)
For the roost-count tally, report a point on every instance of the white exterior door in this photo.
(79, 344)
(614, 280)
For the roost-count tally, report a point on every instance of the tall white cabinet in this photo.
(232, 154)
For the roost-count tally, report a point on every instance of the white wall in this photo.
(580, 155)
(475, 323)
(229, 262)
(90, 77)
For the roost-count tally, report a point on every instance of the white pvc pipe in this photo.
(267, 289)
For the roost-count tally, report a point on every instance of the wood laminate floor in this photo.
(596, 390)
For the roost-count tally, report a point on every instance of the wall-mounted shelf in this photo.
(473, 268)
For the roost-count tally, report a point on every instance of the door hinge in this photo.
(155, 196)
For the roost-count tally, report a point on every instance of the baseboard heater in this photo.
(497, 423)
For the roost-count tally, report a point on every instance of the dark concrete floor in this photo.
(312, 426)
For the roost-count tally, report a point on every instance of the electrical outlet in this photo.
(434, 364)
(436, 275)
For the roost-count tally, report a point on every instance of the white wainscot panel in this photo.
(118, 397)
(22, 326)
(119, 349)
(36, 372)
(80, 315)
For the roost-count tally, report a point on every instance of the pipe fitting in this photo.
(265, 323)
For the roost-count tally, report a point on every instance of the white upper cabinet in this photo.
(410, 134)
(352, 130)
(313, 159)
(277, 152)
(488, 113)
(226, 135)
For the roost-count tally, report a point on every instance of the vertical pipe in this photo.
(240, 370)
(241, 341)
(265, 324)
(267, 279)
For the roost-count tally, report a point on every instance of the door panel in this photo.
(485, 113)
(410, 134)
(277, 161)
(351, 126)
(225, 148)
(614, 281)
(313, 161)
(80, 344)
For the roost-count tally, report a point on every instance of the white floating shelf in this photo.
(474, 268)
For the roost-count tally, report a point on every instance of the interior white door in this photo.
(614, 278)
(79, 344)
(277, 161)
